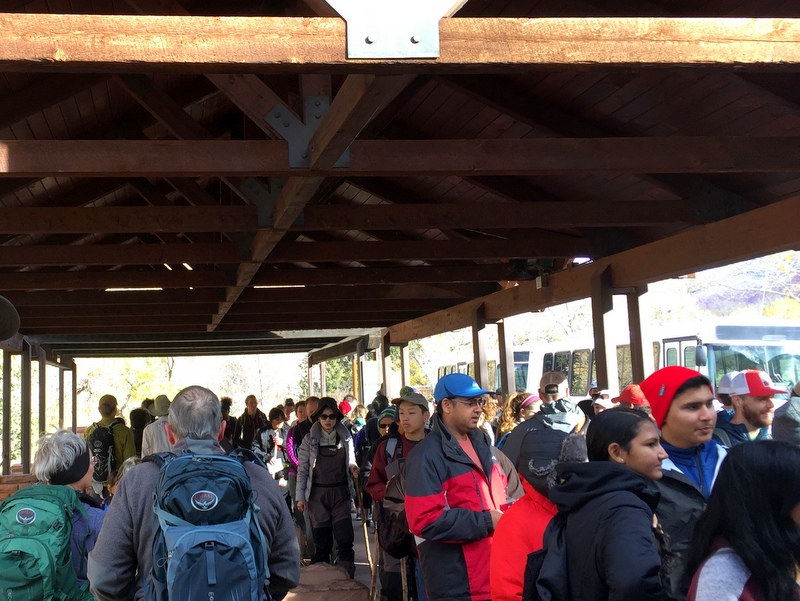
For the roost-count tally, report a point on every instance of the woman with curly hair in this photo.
(518, 408)
(746, 545)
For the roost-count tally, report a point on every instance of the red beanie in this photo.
(345, 407)
(659, 388)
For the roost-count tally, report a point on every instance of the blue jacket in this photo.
(729, 435)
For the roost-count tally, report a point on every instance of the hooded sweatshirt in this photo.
(611, 549)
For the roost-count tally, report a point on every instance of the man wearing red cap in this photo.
(752, 393)
(682, 403)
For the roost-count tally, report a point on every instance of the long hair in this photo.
(510, 414)
(749, 508)
(620, 425)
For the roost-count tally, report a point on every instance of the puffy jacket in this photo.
(611, 549)
(448, 503)
(682, 502)
(520, 531)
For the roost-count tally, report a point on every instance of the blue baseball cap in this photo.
(457, 385)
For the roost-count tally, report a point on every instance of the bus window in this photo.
(580, 373)
(461, 368)
(624, 367)
(440, 372)
(656, 356)
(672, 356)
(547, 363)
(689, 359)
(561, 362)
(471, 370)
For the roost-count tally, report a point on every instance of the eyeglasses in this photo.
(477, 402)
(384, 426)
(328, 416)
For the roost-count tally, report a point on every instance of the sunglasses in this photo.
(384, 426)
(327, 416)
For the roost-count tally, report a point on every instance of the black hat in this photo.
(327, 402)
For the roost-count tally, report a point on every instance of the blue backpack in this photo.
(207, 541)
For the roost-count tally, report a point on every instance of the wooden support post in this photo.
(310, 374)
(41, 355)
(25, 411)
(479, 346)
(405, 365)
(60, 399)
(605, 352)
(386, 364)
(6, 413)
(642, 360)
(74, 399)
(506, 368)
(323, 384)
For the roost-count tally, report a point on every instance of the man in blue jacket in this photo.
(752, 399)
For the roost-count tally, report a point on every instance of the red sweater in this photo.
(518, 533)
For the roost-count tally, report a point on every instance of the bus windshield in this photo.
(781, 362)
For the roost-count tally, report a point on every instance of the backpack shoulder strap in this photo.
(391, 448)
(723, 436)
(246, 456)
(160, 459)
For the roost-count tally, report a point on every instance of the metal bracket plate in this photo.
(298, 134)
(378, 29)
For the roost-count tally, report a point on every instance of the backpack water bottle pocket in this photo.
(24, 575)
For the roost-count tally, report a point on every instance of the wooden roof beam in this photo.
(738, 238)
(120, 43)
(553, 156)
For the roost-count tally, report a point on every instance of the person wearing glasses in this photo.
(457, 487)
(326, 463)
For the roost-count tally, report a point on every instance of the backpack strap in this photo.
(246, 456)
(723, 436)
(392, 447)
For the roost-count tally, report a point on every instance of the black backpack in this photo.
(546, 571)
(207, 542)
(101, 443)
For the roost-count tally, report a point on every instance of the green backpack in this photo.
(35, 552)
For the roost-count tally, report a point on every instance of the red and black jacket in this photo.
(448, 500)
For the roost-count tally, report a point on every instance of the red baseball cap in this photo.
(632, 395)
(754, 383)
(659, 388)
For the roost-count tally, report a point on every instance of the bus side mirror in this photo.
(700, 356)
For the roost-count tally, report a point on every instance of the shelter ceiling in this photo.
(465, 175)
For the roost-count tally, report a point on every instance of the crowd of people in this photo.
(666, 491)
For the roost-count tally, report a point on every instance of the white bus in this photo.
(770, 347)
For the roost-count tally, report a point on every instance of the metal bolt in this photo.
(304, 154)
(369, 40)
(414, 39)
(317, 103)
(277, 114)
(318, 116)
(286, 124)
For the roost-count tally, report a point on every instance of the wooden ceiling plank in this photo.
(69, 311)
(759, 232)
(105, 321)
(93, 280)
(123, 43)
(633, 213)
(81, 298)
(424, 250)
(324, 303)
(48, 220)
(524, 157)
(116, 254)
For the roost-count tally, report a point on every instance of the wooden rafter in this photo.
(116, 43)
(117, 254)
(166, 158)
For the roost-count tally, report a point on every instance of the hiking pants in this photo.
(329, 510)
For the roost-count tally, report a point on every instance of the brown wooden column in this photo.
(605, 352)
(405, 365)
(386, 364)
(41, 355)
(60, 398)
(25, 411)
(6, 413)
(642, 363)
(323, 384)
(479, 335)
(74, 371)
(506, 367)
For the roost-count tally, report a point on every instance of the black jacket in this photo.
(611, 549)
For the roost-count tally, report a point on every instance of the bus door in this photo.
(680, 351)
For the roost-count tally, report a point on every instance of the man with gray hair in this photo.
(120, 565)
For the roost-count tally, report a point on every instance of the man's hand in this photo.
(301, 506)
(496, 515)
(354, 471)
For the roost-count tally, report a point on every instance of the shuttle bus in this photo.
(773, 348)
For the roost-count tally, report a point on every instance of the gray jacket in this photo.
(307, 459)
(122, 558)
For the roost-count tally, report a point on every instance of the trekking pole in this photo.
(404, 577)
(364, 522)
(373, 585)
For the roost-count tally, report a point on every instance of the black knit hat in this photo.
(327, 402)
